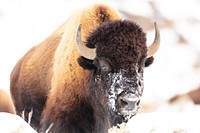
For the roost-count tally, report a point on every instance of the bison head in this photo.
(117, 52)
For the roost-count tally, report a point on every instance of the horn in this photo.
(152, 49)
(88, 53)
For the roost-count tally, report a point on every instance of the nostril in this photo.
(140, 84)
(138, 103)
(122, 103)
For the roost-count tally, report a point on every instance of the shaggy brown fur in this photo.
(61, 90)
(5, 103)
(120, 41)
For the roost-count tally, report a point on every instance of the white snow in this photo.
(10, 123)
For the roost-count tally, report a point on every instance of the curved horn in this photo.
(88, 53)
(152, 49)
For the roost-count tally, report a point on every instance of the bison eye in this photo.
(105, 66)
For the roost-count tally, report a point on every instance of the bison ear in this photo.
(85, 63)
(149, 61)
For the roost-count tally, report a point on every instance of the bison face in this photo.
(117, 52)
(122, 88)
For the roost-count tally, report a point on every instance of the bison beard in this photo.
(76, 94)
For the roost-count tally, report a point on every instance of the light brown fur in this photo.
(65, 69)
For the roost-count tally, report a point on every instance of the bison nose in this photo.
(128, 101)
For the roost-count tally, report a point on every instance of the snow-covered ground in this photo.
(176, 68)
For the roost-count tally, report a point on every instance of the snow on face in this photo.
(119, 85)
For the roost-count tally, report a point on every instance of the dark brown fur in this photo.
(113, 39)
(120, 41)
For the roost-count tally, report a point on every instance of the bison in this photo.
(87, 76)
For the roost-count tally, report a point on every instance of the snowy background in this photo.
(176, 68)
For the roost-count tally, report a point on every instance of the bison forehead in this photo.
(121, 41)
